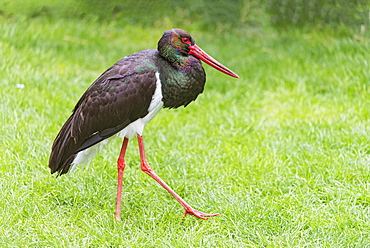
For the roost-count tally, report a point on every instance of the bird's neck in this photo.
(181, 82)
(175, 58)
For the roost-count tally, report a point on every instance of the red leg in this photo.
(146, 168)
(121, 164)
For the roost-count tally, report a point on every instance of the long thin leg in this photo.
(146, 168)
(121, 164)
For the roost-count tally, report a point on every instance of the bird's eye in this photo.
(186, 40)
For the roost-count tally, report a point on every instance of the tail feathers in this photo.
(70, 148)
(63, 150)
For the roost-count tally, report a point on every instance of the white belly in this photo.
(133, 129)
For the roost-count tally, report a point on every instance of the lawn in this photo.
(282, 152)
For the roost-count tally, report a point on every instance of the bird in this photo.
(123, 99)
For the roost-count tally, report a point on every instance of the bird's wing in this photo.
(121, 95)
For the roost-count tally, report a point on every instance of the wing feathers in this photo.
(121, 95)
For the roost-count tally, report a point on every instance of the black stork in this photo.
(126, 97)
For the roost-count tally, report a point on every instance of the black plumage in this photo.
(121, 95)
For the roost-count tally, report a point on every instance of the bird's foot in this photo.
(198, 214)
(118, 218)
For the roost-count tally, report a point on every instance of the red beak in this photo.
(200, 54)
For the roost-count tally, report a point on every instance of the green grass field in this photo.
(282, 152)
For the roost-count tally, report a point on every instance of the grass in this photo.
(283, 152)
